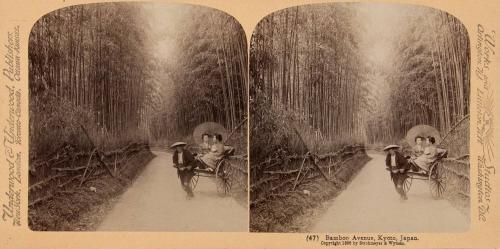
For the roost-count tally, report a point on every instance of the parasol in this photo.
(210, 128)
(423, 131)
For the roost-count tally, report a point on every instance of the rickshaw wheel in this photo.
(194, 181)
(437, 181)
(407, 184)
(223, 178)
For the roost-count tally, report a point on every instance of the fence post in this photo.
(329, 166)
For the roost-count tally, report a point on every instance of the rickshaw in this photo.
(435, 175)
(223, 172)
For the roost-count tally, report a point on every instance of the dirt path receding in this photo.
(156, 202)
(370, 204)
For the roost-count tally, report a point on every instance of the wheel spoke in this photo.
(441, 189)
(223, 179)
(433, 187)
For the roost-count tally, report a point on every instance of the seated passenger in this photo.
(418, 149)
(205, 145)
(425, 160)
(216, 152)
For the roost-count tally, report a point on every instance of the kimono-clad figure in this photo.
(205, 145)
(429, 156)
(418, 149)
(216, 152)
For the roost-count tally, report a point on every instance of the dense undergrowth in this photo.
(56, 122)
(275, 128)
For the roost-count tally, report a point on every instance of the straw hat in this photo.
(392, 146)
(178, 144)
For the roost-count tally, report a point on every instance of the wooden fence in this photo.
(239, 176)
(283, 173)
(68, 167)
(457, 165)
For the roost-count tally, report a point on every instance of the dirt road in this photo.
(370, 204)
(156, 202)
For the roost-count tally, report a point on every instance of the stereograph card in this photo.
(249, 124)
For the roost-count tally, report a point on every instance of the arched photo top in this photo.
(406, 8)
(171, 12)
(167, 9)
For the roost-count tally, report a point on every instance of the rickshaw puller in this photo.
(397, 165)
(184, 162)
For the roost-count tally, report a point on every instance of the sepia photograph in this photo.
(138, 119)
(359, 120)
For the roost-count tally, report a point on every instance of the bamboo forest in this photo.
(360, 73)
(333, 87)
(112, 87)
(130, 72)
